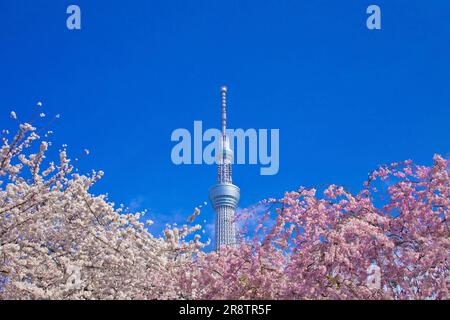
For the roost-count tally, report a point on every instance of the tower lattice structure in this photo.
(224, 195)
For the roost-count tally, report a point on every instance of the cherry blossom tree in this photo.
(374, 245)
(59, 241)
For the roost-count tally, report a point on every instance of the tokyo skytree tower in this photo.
(224, 195)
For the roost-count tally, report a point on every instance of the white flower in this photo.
(13, 115)
(42, 115)
(25, 127)
(44, 146)
(194, 215)
(63, 157)
(39, 104)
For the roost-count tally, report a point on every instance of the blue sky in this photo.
(345, 99)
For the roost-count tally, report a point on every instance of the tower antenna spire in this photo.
(224, 91)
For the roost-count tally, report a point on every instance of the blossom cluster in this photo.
(60, 241)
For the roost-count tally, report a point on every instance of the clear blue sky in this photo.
(344, 98)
